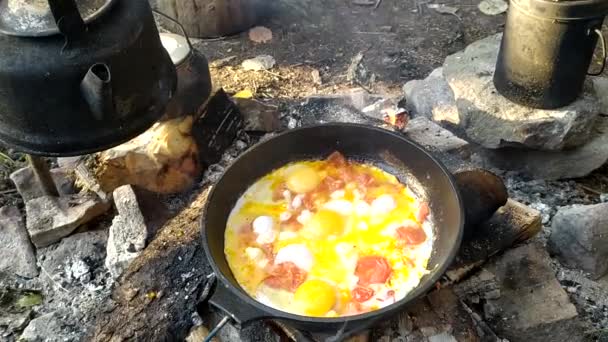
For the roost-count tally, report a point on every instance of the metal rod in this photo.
(43, 174)
(216, 329)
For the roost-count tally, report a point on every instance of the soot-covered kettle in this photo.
(78, 76)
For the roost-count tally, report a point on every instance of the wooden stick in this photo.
(43, 174)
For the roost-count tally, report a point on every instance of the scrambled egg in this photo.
(328, 238)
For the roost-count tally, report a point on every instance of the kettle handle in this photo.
(68, 19)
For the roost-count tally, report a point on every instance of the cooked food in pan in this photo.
(328, 238)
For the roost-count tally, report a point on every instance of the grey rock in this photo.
(262, 62)
(16, 251)
(493, 7)
(429, 134)
(75, 256)
(128, 233)
(579, 238)
(49, 219)
(49, 328)
(600, 85)
(493, 121)
(28, 187)
(552, 165)
(432, 98)
(12, 322)
(443, 337)
(532, 306)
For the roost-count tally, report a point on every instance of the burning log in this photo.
(163, 159)
(159, 290)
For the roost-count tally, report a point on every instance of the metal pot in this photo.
(79, 78)
(388, 150)
(546, 50)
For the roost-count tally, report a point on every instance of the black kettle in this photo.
(80, 76)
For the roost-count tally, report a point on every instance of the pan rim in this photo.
(421, 289)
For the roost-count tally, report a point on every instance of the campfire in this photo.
(119, 234)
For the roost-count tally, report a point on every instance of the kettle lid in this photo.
(33, 18)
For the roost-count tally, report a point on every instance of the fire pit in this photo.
(139, 271)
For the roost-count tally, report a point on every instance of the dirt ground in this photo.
(401, 40)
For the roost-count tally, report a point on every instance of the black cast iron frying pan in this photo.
(388, 150)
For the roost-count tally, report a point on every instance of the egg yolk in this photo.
(324, 223)
(303, 179)
(315, 297)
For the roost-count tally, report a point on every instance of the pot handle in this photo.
(604, 53)
(230, 305)
(67, 17)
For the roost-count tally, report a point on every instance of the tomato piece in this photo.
(423, 212)
(372, 270)
(411, 235)
(337, 160)
(364, 179)
(286, 276)
(362, 294)
(246, 234)
(308, 202)
(333, 184)
(268, 250)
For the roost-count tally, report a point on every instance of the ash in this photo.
(71, 295)
(590, 297)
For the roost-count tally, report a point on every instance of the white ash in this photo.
(546, 196)
(590, 297)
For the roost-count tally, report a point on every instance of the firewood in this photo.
(512, 224)
(164, 159)
(155, 298)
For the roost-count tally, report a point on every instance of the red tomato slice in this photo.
(362, 294)
(286, 276)
(423, 212)
(411, 235)
(372, 270)
(332, 184)
(336, 159)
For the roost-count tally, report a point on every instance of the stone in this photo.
(164, 159)
(49, 219)
(579, 238)
(493, 7)
(431, 135)
(49, 327)
(16, 251)
(75, 256)
(532, 306)
(128, 233)
(258, 116)
(600, 85)
(432, 98)
(442, 337)
(259, 63)
(27, 184)
(553, 165)
(492, 121)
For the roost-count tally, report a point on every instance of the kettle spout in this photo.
(96, 89)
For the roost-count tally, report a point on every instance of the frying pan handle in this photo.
(235, 311)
